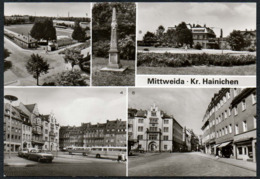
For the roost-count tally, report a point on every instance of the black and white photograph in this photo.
(196, 38)
(192, 132)
(65, 132)
(47, 44)
(113, 44)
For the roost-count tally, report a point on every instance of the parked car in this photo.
(26, 153)
(40, 155)
(22, 152)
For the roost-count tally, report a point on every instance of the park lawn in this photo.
(101, 78)
(199, 70)
(26, 28)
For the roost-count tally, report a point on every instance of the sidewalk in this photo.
(17, 161)
(239, 163)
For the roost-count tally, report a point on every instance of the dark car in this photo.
(22, 152)
(40, 156)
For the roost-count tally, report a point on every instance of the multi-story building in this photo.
(232, 117)
(12, 128)
(154, 130)
(245, 124)
(26, 130)
(111, 133)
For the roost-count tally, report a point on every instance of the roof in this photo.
(244, 93)
(30, 107)
(141, 113)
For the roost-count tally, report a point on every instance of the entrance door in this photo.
(152, 146)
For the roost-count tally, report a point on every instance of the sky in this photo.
(228, 16)
(73, 106)
(48, 9)
(187, 105)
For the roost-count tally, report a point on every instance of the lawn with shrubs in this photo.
(102, 78)
(217, 63)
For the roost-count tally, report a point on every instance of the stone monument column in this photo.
(114, 60)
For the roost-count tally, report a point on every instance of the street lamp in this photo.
(10, 98)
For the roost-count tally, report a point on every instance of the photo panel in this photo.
(65, 132)
(209, 38)
(47, 44)
(187, 132)
(113, 44)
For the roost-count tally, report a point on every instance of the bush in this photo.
(251, 49)
(198, 46)
(145, 49)
(184, 60)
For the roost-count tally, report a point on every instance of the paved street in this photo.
(69, 166)
(182, 164)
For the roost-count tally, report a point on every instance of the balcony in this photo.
(38, 141)
(36, 132)
(52, 133)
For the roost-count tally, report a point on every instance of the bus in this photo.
(108, 152)
(83, 150)
(100, 152)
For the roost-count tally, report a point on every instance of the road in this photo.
(86, 166)
(182, 164)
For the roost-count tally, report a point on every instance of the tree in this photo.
(127, 48)
(78, 34)
(184, 35)
(7, 64)
(149, 37)
(43, 30)
(236, 40)
(170, 37)
(71, 78)
(73, 57)
(159, 33)
(36, 66)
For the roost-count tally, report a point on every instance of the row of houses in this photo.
(26, 127)
(229, 124)
(154, 130)
(111, 133)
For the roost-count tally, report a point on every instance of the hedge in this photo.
(185, 60)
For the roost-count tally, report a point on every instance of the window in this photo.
(228, 95)
(239, 150)
(140, 120)
(152, 136)
(140, 137)
(226, 130)
(140, 129)
(235, 92)
(165, 137)
(244, 126)
(254, 98)
(166, 121)
(225, 114)
(46, 131)
(153, 128)
(223, 132)
(243, 105)
(235, 110)
(217, 134)
(236, 129)
(230, 128)
(224, 99)
(229, 112)
(153, 113)
(254, 122)
(165, 147)
(165, 129)
(153, 120)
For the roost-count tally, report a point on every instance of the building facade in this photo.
(154, 130)
(30, 128)
(235, 124)
(112, 133)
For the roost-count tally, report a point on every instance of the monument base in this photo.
(122, 69)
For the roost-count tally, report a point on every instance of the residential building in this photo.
(234, 109)
(111, 133)
(13, 139)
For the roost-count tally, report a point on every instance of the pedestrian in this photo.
(46, 50)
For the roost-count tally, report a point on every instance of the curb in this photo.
(19, 164)
(247, 168)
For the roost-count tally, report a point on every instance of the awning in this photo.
(243, 140)
(223, 144)
(216, 145)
